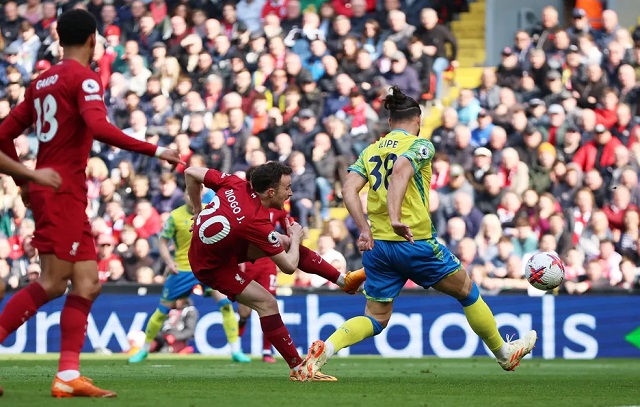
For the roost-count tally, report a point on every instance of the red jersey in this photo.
(234, 219)
(63, 103)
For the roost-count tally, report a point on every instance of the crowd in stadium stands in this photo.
(543, 155)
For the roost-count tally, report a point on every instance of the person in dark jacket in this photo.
(170, 196)
(435, 36)
(508, 72)
(303, 185)
(403, 76)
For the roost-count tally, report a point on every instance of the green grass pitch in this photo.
(176, 381)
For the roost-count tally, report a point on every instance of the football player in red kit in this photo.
(236, 227)
(65, 105)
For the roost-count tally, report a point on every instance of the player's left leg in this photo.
(244, 313)
(482, 321)
(230, 325)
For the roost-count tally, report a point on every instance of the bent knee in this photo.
(54, 288)
(266, 306)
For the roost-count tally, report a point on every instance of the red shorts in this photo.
(228, 279)
(264, 272)
(62, 226)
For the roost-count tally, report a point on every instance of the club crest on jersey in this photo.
(273, 239)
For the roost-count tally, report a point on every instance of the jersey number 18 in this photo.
(46, 117)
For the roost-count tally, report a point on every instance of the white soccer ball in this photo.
(545, 271)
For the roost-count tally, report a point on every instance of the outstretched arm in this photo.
(402, 173)
(103, 131)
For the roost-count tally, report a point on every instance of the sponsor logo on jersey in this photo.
(239, 279)
(43, 83)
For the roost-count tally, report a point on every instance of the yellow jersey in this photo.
(375, 164)
(177, 228)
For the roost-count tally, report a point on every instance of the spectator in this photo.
(488, 93)
(540, 174)
(11, 22)
(480, 135)
(456, 231)
(524, 238)
(434, 37)
(509, 71)
(106, 246)
(139, 258)
(462, 151)
(602, 146)
(470, 214)
(544, 33)
(145, 220)
(303, 187)
(403, 76)
(443, 137)
(488, 237)
(491, 195)
(170, 196)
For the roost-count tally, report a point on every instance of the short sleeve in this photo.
(263, 236)
(359, 167)
(215, 179)
(420, 153)
(169, 230)
(90, 92)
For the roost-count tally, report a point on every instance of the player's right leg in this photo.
(230, 325)
(73, 322)
(23, 305)
(312, 263)
(480, 318)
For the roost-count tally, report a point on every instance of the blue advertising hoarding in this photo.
(583, 327)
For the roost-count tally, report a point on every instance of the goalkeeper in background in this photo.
(180, 284)
(401, 243)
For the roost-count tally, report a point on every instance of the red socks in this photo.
(266, 345)
(275, 332)
(73, 327)
(310, 262)
(22, 306)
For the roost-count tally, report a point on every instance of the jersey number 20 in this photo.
(382, 170)
(46, 117)
(226, 226)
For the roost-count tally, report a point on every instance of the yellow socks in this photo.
(352, 331)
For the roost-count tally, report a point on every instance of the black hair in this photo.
(75, 27)
(400, 106)
(267, 175)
